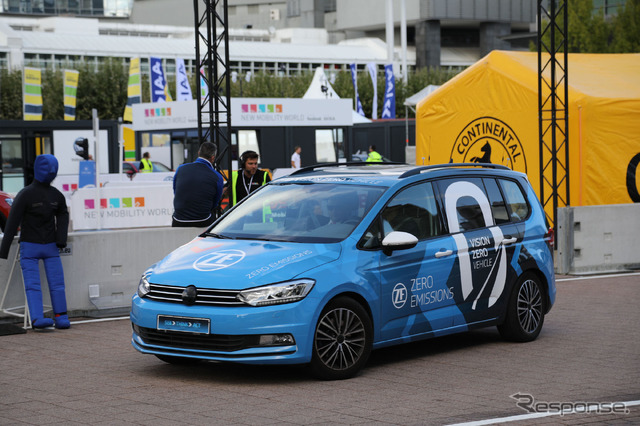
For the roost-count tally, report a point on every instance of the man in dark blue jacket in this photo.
(41, 212)
(197, 190)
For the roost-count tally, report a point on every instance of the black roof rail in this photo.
(420, 169)
(348, 163)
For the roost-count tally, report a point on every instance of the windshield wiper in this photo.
(214, 235)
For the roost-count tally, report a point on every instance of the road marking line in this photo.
(595, 277)
(536, 415)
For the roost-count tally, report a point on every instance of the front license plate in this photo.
(189, 325)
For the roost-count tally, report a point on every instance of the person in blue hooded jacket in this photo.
(40, 211)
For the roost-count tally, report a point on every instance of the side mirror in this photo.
(398, 240)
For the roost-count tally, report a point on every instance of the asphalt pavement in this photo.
(588, 353)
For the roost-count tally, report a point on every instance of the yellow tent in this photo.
(489, 112)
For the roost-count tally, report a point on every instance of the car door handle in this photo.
(443, 253)
(509, 240)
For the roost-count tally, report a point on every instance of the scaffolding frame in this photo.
(214, 106)
(553, 114)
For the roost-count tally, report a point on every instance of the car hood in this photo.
(239, 264)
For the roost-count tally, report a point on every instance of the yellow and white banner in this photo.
(32, 94)
(70, 92)
(134, 89)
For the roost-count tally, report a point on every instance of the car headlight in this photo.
(275, 294)
(143, 286)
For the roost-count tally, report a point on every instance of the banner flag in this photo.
(373, 72)
(159, 86)
(359, 109)
(32, 96)
(183, 88)
(70, 92)
(134, 90)
(389, 104)
(204, 90)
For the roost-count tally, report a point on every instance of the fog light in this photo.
(276, 340)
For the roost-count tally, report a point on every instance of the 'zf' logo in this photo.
(218, 260)
(399, 295)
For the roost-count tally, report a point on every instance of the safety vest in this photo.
(374, 157)
(234, 181)
(147, 167)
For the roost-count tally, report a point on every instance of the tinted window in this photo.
(469, 214)
(516, 201)
(466, 204)
(413, 210)
(498, 207)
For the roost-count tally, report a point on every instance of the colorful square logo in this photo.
(279, 108)
(270, 108)
(89, 204)
(65, 187)
(262, 108)
(245, 108)
(114, 203)
(139, 201)
(127, 202)
(254, 108)
(103, 203)
(74, 186)
(168, 112)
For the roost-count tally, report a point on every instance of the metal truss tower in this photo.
(553, 114)
(212, 55)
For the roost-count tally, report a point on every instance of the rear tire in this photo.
(525, 311)
(342, 340)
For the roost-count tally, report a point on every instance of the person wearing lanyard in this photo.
(250, 178)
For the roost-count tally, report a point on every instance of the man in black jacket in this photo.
(40, 211)
(197, 190)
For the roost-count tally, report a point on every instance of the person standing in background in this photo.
(374, 156)
(296, 161)
(249, 177)
(145, 165)
(197, 190)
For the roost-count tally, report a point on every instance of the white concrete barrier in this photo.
(598, 239)
(102, 268)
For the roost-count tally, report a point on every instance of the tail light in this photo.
(550, 239)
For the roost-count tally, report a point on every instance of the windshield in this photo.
(300, 212)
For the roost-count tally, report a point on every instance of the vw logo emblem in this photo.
(218, 260)
(399, 295)
(189, 295)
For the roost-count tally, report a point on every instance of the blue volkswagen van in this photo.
(331, 262)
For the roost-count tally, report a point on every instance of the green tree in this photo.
(10, 95)
(626, 29)
(590, 31)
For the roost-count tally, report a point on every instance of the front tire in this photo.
(342, 340)
(525, 311)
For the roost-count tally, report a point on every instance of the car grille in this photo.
(201, 342)
(205, 296)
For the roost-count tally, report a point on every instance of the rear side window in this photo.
(498, 206)
(516, 200)
(466, 204)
